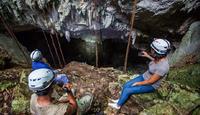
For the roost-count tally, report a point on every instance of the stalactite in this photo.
(67, 36)
(90, 17)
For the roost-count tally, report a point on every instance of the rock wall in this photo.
(188, 51)
(12, 52)
(78, 17)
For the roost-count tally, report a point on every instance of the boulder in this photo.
(188, 51)
(16, 53)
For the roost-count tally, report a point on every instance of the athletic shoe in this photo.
(114, 105)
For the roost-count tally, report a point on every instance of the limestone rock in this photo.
(188, 51)
(163, 16)
(17, 55)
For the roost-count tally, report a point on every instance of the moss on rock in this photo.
(160, 109)
(187, 75)
(184, 99)
(6, 84)
(196, 111)
(20, 105)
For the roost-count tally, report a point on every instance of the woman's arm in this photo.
(145, 54)
(153, 79)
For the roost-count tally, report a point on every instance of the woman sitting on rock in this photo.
(151, 79)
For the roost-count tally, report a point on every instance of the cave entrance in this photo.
(111, 53)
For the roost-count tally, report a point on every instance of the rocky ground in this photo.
(104, 83)
(14, 94)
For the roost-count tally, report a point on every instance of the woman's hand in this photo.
(136, 84)
(154, 78)
(144, 54)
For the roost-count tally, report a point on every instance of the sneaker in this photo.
(114, 101)
(114, 105)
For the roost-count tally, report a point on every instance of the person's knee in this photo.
(128, 91)
(124, 86)
(127, 84)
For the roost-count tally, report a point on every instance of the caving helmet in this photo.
(36, 55)
(161, 46)
(40, 79)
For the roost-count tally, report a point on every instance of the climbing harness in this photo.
(98, 19)
(129, 39)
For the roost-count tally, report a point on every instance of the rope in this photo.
(12, 35)
(49, 47)
(60, 48)
(98, 36)
(129, 39)
(54, 46)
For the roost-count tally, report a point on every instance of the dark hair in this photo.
(44, 92)
(158, 56)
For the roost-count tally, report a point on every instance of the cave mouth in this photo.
(111, 51)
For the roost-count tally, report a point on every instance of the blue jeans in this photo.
(128, 89)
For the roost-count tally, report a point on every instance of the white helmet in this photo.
(36, 55)
(40, 79)
(160, 46)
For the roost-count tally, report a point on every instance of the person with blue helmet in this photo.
(151, 79)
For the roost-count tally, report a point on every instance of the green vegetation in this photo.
(187, 75)
(6, 85)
